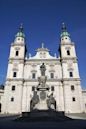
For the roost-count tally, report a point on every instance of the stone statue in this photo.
(34, 100)
(42, 81)
(51, 103)
(43, 69)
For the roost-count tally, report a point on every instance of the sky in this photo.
(42, 21)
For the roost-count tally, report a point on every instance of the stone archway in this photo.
(0, 106)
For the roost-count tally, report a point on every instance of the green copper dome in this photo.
(64, 31)
(20, 33)
(65, 34)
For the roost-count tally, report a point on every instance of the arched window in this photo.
(73, 99)
(13, 88)
(33, 75)
(72, 87)
(68, 52)
(52, 75)
(17, 53)
(14, 74)
(12, 99)
(70, 74)
(52, 88)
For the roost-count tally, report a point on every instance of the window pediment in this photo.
(33, 71)
(70, 69)
(15, 69)
(17, 48)
(51, 70)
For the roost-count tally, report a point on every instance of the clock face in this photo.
(42, 95)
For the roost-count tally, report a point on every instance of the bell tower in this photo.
(15, 73)
(67, 46)
(18, 46)
(17, 55)
(70, 73)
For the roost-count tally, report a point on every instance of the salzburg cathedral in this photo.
(43, 81)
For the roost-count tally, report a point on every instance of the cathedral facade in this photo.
(62, 77)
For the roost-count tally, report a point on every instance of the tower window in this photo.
(13, 88)
(33, 75)
(72, 87)
(14, 74)
(71, 74)
(68, 52)
(73, 99)
(33, 88)
(12, 99)
(17, 53)
(52, 88)
(18, 38)
(52, 75)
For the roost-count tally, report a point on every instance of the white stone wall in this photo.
(84, 100)
(69, 64)
(34, 66)
(68, 46)
(62, 82)
(20, 48)
(13, 106)
(70, 105)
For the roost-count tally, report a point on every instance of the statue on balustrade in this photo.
(34, 100)
(51, 103)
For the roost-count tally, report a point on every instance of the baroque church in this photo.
(43, 81)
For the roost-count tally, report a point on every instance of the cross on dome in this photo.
(21, 27)
(42, 45)
(64, 31)
(64, 27)
(20, 33)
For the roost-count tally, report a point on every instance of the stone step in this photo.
(43, 115)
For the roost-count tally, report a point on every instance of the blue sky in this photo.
(42, 21)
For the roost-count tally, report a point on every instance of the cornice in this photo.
(32, 80)
(17, 44)
(68, 44)
(39, 61)
(43, 59)
(14, 79)
(84, 91)
(16, 58)
(65, 59)
(71, 79)
(20, 60)
(48, 80)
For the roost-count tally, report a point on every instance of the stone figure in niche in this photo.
(34, 100)
(51, 103)
(43, 69)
